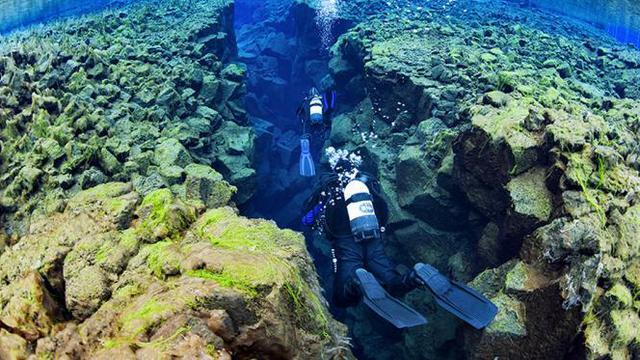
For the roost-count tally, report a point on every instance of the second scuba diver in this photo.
(348, 207)
(314, 113)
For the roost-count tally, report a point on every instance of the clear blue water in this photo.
(619, 18)
(15, 14)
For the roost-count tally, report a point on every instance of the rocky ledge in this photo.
(119, 275)
(124, 150)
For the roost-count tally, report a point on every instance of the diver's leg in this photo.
(384, 269)
(350, 256)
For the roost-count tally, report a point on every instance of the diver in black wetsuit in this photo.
(314, 114)
(349, 252)
(348, 206)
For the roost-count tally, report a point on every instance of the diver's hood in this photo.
(314, 92)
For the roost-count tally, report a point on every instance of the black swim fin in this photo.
(307, 167)
(457, 298)
(383, 304)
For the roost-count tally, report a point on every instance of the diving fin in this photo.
(307, 168)
(457, 298)
(383, 304)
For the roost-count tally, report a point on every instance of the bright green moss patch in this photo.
(234, 280)
(224, 229)
(128, 291)
(163, 216)
(103, 252)
(139, 321)
(620, 295)
(594, 339)
(626, 324)
(163, 258)
(129, 240)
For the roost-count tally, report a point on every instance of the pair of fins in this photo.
(307, 167)
(455, 297)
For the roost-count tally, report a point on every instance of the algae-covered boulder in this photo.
(205, 184)
(28, 307)
(174, 278)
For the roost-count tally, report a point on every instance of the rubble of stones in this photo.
(126, 96)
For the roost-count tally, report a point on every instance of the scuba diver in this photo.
(315, 115)
(347, 205)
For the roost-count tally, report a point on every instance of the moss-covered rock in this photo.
(162, 216)
(530, 196)
(511, 318)
(28, 307)
(163, 277)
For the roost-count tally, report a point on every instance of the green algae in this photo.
(510, 318)
(626, 324)
(223, 228)
(145, 316)
(163, 258)
(244, 281)
(620, 295)
(530, 195)
(163, 216)
(516, 278)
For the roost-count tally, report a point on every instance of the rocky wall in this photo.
(136, 94)
(124, 151)
(119, 275)
(504, 138)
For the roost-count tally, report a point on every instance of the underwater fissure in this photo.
(286, 55)
(466, 194)
(504, 138)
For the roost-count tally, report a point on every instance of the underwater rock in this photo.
(205, 184)
(101, 109)
(196, 279)
(12, 346)
(29, 309)
(235, 149)
(171, 152)
(539, 150)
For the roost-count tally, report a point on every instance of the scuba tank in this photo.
(316, 107)
(362, 216)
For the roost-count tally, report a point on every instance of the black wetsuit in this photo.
(351, 255)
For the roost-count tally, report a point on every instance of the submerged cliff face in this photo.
(124, 151)
(507, 139)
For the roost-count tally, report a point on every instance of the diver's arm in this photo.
(310, 218)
